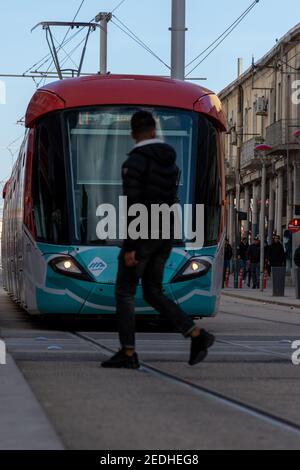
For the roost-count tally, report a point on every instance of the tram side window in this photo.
(208, 180)
(49, 183)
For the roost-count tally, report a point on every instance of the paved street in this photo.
(244, 396)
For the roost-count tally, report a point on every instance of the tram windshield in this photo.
(96, 145)
(99, 141)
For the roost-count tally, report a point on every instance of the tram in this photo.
(77, 137)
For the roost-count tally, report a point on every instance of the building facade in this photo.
(263, 106)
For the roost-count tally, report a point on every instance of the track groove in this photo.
(238, 405)
(223, 312)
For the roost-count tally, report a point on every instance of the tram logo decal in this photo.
(2, 353)
(97, 266)
(296, 354)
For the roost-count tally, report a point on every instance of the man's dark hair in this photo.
(141, 122)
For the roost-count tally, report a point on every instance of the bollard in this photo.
(278, 281)
(227, 278)
(265, 278)
(241, 276)
(297, 282)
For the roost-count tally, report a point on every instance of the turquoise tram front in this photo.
(69, 164)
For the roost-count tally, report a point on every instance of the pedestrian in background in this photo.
(254, 261)
(243, 256)
(276, 254)
(227, 259)
(267, 258)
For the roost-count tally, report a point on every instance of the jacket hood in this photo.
(162, 153)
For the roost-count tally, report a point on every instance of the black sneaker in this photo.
(199, 347)
(121, 360)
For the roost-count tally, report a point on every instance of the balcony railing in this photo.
(248, 155)
(280, 135)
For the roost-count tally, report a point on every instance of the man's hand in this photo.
(130, 260)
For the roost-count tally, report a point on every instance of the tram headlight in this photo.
(195, 267)
(69, 267)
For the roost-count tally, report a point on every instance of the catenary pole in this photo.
(103, 18)
(261, 150)
(262, 222)
(178, 31)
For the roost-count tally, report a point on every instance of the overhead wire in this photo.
(64, 39)
(16, 140)
(75, 16)
(48, 57)
(13, 152)
(222, 37)
(66, 42)
(296, 69)
(68, 54)
(118, 6)
(136, 39)
(65, 59)
(274, 69)
(72, 51)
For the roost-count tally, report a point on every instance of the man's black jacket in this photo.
(150, 176)
(254, 253)
(276, 255)
(243, 251)
(228, 252)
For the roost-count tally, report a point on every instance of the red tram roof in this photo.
(123, 89)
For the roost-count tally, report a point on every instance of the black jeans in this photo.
(152, 257)
(255, 273)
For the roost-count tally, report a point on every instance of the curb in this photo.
(24, 424)
(264, 301)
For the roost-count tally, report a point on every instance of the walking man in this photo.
(150, 176)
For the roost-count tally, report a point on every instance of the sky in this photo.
(150, 21)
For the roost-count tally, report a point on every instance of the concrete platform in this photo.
(24, 425)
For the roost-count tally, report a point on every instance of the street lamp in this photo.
(261, 150)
